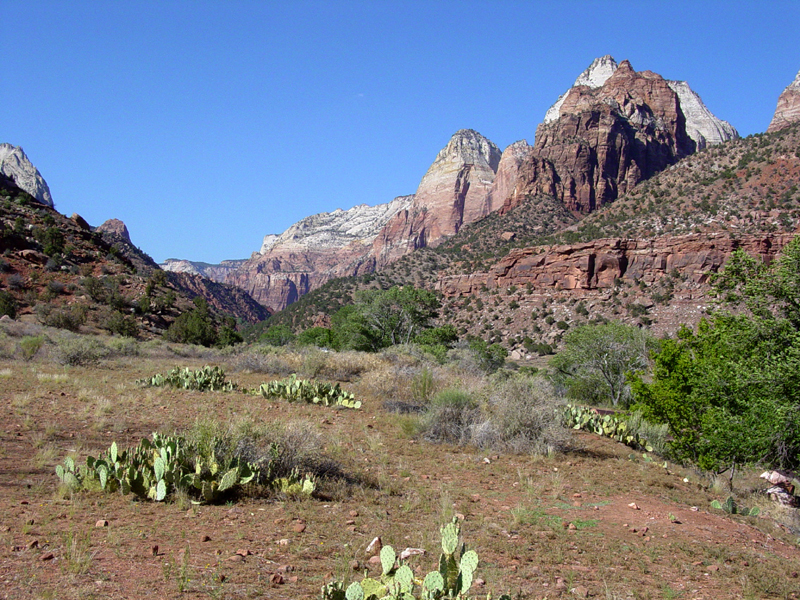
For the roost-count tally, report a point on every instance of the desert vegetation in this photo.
(193, 466)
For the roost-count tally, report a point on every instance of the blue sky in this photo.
(206, 125)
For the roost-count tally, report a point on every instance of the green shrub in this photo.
(194, 326)
(120, 324)
(30, 345)
(450, 415)
(69, 318)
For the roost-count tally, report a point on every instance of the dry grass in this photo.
(517, 507)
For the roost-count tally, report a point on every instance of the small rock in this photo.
(405, 554)
(236, 558)
(572, 527)
(479, 582)
(374, 560)
(576, 495)
(299, 527)
(374, 547)
(283, 542)
(101, 523)
(713, 568)
(284, 569)
(634, 506)
(487, 460)
(350, 522)
(276, 579)
(46, 557)
(580, 592)
(560, 585)
(293, 579)
(33, 544)
(221, 577)
(205, 538)
(355, 565)
(154, 550)
(354, 513)
(23, 502)
(243, 552)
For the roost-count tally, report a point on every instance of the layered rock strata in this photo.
(788, 110)
(604, 263)
(15, 165)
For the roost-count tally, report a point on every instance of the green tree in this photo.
(194, 326)
(383, 318)
(730, 391)
(595, 359)
(322, 337)
(277, 335)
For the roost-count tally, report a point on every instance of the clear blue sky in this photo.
(206, 125)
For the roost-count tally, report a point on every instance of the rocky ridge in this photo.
(15, 165)
(788, 110)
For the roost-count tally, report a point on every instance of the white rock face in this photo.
(595, 75)
(269, 242)
(337, 229)
(701, 125)
(788, 110)
(211, 271)
(15, 165)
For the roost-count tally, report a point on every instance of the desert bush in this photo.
(521, 414)
(15, 282)
(30, 345)
(450, 416)
(69, 318)
(656, 434)
(124, 347)
(79, 351)
(255, 360)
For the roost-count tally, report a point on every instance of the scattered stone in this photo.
(713, 568)
(354, 513)
(580, 592)
(560, 585)
(374, 547)
(634, 506)
(101, 523)
(405, 554)
(355, 565)
(374, 560)
(236, 558)
(299, 527)
(33, 544)
(24, 502)
(350, 522)
(276, 579)
(243, 552)
(283, 542)
(572, 527)
(479, 582)
(205, 538)
(46, 557)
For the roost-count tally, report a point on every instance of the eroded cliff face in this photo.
(788, 110)
(454, 192)
(605, 141)
(602, 264)
(15, 165)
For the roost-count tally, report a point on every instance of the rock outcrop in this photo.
(15, 165)
(788, 110)
(115, 227)
(603, 263)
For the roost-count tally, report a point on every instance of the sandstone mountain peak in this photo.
(701, 124)
(15, 165)
(595, 75)
(788, 110)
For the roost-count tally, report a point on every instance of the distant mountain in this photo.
(788, 110)
(15, 165)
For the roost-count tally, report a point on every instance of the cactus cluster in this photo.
(165, 464)
(452, 580)
(611, 426)
(313, 392)
(205, 379)
(730, 507)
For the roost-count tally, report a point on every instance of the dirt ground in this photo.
(601, 521)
